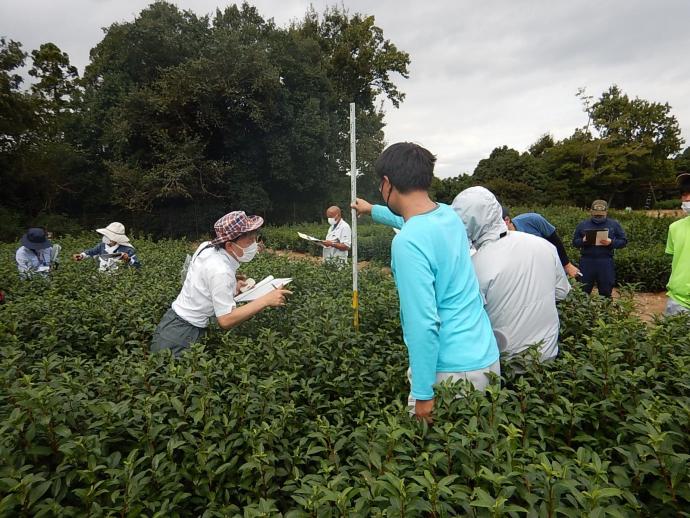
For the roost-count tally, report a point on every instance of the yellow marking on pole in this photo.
(355, 309)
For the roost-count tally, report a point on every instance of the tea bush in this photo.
(293, 414)
(642, 263)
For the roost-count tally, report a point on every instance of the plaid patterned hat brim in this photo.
(233, 225)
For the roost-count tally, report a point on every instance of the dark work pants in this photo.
(599, 271)
(175, 334)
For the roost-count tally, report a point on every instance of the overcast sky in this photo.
(483, 73)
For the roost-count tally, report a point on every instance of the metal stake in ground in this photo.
(353, 199)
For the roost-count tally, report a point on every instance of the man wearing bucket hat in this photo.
(596, 260)
(210, 286)
(113, 250)
(678, 245)
(36, 255)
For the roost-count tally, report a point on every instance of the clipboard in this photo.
(594, 235)
(261, 288)
(307, 237)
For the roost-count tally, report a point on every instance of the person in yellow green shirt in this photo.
(678, 245)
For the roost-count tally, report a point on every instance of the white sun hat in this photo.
(115, 232)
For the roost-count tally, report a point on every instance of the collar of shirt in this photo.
(204, 249)
(36, 257)
(234, 263)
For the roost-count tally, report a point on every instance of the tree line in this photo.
(627, 151)
(179, 117)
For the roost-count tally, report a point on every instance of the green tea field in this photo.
(294, 414)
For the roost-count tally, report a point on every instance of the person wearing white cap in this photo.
(210, 286)
(114, 249)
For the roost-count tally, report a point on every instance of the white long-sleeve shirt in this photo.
(338, 233)
(520, 276)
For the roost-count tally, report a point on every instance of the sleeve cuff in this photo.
(224, 310)
(422, 396)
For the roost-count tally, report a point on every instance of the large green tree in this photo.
(232, 111)
(42, 169)
(514, 177)
(626, 145)
(55, 77)
(16, 118)
(360, 65)
(16, 110)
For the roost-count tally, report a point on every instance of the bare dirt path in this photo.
(648, 305)
(301, 256)
(665, 213)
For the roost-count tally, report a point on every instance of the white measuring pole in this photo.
(353, 198)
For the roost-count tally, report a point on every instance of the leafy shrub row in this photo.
(642, 263)
(294, 414)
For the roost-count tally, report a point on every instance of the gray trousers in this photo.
(175, 333)
(674, 308)
(478, 378)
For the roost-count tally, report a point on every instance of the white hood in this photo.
(482, 215)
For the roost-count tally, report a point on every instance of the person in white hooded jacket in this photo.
(520, 276)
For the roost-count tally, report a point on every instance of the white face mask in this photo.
(331, 221)
(685, 206)
(248, 253)
(108, 247)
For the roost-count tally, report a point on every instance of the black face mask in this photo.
(388, 199)
(598, 219)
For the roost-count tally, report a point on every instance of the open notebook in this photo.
(261, 288)
(310, 238)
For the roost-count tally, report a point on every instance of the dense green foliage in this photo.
(294, 413)
(177, 116)
(642, 263)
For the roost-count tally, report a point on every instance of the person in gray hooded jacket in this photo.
(520, 276)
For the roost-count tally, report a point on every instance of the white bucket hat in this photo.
(115, 232)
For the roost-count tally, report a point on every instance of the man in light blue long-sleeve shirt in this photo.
(446, 329)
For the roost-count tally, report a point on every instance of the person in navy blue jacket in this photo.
(114, 250)
(596, 261)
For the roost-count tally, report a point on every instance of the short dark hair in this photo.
(408, 166)
(683, 181)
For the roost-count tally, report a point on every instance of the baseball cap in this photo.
(599, 208)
